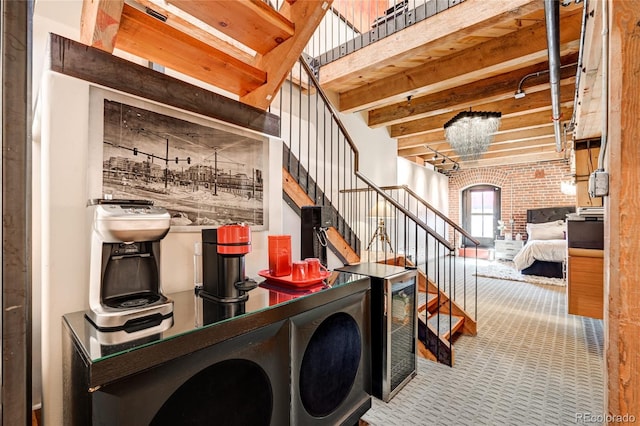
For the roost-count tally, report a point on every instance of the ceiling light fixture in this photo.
(471, 132)
(437, 155)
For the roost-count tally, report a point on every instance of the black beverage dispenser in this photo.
(223, 274)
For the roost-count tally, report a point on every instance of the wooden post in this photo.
(15, 94)
(622, 268)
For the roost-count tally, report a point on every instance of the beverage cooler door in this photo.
(401, 318)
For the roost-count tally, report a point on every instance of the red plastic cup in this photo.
(315, 269)
(299, 271)
(279, 255)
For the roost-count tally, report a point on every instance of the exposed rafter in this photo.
(188, 37)
(414, 82)
(503, 54)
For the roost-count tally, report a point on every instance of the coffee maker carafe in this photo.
(125, 289)
(223, 275)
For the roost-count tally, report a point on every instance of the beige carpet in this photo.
(505, 271)
(530, 364)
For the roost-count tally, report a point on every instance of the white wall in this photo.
(377, 150)
(432, 186)
(61, 227)
(64, 226)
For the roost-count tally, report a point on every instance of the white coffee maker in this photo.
(125, 290)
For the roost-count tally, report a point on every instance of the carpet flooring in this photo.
(530, 364)
(505, 270)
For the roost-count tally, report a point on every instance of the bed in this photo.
(546, 247)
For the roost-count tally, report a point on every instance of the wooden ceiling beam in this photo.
(100, 22)
(527, 150)
(251, 22)
(536, 119)
(495, 147)
(496, 88)
(589, 118)
(443, 28)
(150, 38)
(277, 63)
(509, 148)
(437, 141)
(509, 107)
(178, 20)
(522, 135)
(535, 157)
(520, 122)
(530, 151)
(525, 47)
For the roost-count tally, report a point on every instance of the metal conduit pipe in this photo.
(605, 85)
(552, 18)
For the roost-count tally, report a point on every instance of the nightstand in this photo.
(507, 249)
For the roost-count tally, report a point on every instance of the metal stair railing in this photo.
(321, 155)
(351, 25)
(450, 230)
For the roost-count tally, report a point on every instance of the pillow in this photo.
(547, 231)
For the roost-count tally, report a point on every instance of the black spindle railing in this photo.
(391, 224)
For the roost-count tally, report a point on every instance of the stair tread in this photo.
(426, 300)
(456, 322)
(432, 298)
(254, 24)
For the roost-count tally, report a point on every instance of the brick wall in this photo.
(534, 185)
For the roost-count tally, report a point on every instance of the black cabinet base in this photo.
(257, 376)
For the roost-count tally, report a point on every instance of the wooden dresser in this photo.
(585, 292)
(585, 268)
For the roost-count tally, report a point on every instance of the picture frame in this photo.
(205, 172)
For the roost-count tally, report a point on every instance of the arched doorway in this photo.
(480, 212)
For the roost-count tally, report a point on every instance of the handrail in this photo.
(366, 180)
(426, 204)
(323, 161)
(439, 214)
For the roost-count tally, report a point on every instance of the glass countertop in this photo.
(191, 313)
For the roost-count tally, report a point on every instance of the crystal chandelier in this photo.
(471, 132)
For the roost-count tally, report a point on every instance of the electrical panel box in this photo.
(598, 184)
(586, 162)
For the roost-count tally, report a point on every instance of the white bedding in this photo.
(547, 250)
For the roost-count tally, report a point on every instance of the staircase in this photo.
(440, 318)
(436, 328)
(250, 50)
(320, 167)
(244, 47)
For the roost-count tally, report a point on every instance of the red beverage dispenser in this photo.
(279, 255)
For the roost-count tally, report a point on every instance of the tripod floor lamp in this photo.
(381, 211)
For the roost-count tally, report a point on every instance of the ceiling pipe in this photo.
(552, 18)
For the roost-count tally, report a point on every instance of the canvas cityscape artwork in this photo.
(204, 175)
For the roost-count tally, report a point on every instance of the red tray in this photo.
(292, 291)
(289, 282)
